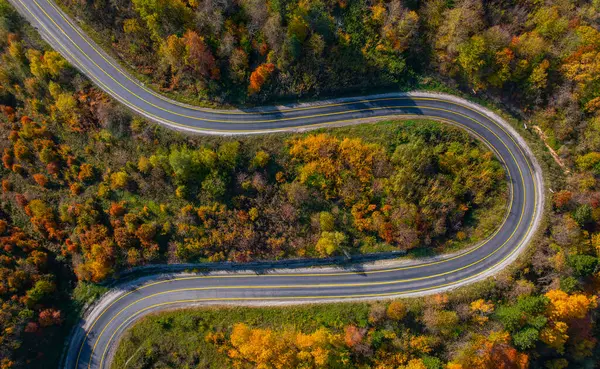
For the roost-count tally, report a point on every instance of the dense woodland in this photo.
(89, 190)
(537, 53)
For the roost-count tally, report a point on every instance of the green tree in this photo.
(526, 339)
(42, 290)
(214, 185)
(164, 17)
(229, 154)
(191, 166)
(471, 58)
(583, 215)
(583, 265)
(326, 221)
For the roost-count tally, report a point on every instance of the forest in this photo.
(531, 53)
(90, 190)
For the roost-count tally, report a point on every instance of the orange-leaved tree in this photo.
(259, 77)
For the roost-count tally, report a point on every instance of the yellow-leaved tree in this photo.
(265, 348)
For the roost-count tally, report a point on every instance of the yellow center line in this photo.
(338, 273)
(304, 126)
(307, 286)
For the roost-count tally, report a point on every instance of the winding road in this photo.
(97, 333)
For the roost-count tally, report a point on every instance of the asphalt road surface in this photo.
(98, 333)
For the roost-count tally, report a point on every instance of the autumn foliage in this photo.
(259, 77)
(491, 352)
(28, 293)
(266, 348)
(95, 190)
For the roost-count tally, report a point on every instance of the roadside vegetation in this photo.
(89, 190)
(457, 331)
